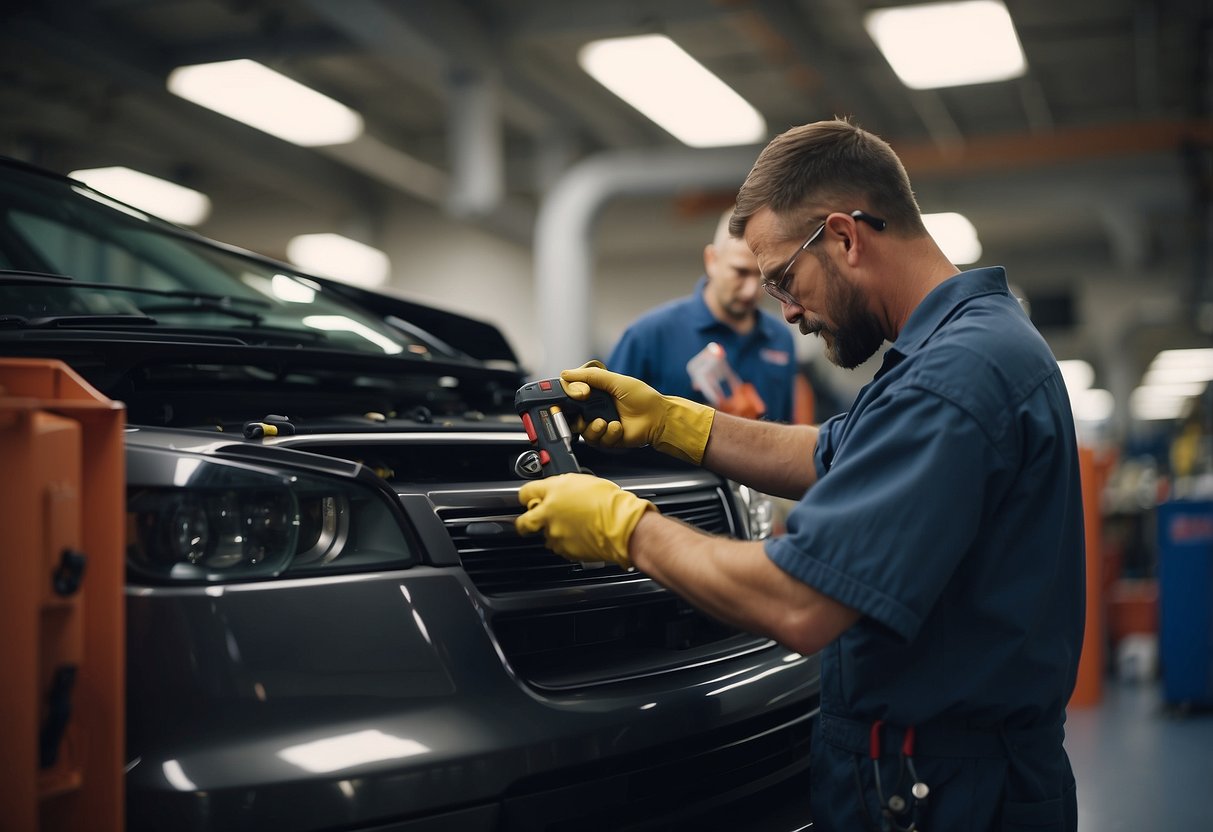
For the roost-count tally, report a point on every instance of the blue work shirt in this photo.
(658, 345)
(948, 512)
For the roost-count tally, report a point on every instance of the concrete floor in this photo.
(1140, 766)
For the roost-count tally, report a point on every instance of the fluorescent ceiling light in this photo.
(955, 235)
(260, 97)
(1184, 358)
(948, 44)
(160, 197)
(1153, 403)
(1092, 405)
(97, 196)
(672, 89)
(1180, 367)
(1174, 390)
(340, 258)
(1156, 376)
(1089, 404)
(1078, 374)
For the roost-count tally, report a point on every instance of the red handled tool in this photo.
(546, 409)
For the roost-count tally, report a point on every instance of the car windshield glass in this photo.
(113, 253)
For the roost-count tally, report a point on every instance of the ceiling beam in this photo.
(784, 23)
(1013, 152)
(927, 104)
(409, 48)
(295, 44)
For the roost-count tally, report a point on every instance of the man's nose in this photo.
(792, 312)
(748, 288)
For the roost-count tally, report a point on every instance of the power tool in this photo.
(546, 409)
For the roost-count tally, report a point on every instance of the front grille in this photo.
(499, 561)
(565, 641)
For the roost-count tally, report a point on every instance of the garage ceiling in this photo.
(1097, 162)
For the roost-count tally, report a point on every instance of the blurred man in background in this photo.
(723, 309)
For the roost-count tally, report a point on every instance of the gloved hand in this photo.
(673, 425)
(582, 517)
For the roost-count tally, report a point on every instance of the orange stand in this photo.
(61, 651)
(1088, 688)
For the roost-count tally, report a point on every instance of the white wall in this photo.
(450, 265)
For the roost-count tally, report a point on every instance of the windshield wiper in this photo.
(49, 321)
(195, 300)
(202, 304)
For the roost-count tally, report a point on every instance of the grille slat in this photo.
(498, 560)
(602, 638)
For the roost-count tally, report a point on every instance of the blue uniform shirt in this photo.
(948, 512)
(658, 345)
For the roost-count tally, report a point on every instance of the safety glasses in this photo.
(778, 288)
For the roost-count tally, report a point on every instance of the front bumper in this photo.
(383, 702)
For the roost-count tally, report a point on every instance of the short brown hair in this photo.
(828, 166)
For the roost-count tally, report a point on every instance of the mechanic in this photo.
(936, 551)
(724, 309)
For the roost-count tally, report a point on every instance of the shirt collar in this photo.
(703, 319)
(942, 301)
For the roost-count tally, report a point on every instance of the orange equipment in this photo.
(711, 375)
(61, 601)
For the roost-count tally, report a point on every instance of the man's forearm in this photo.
(734, 581)
(774, 458)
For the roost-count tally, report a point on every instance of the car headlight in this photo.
(757, 511)
(232, 523)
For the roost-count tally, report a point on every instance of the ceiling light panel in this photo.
(1079, 375)
(1180, 367)
(341, 258)
(1149, 403)
(955, 236)
(669, 87)
(948, 44)
(258, 96)
(156, 196)
(1093, 405)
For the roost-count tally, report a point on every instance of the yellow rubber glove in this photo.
(671, 424)
(582, 517)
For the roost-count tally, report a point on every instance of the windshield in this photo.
(130, 268)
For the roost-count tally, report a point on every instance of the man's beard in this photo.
(857, 334)
(739, 310)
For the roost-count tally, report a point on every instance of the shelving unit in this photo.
(61, 602)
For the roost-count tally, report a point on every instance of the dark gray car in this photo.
(332, 624)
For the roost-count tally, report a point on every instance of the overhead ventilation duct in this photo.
(563, 231)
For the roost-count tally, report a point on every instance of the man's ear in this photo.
(709, 256)
(843, 227)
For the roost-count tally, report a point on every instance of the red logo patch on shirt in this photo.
(779, 357)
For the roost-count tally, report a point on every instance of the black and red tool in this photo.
(546, 409)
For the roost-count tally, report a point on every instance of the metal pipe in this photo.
(563, 231)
